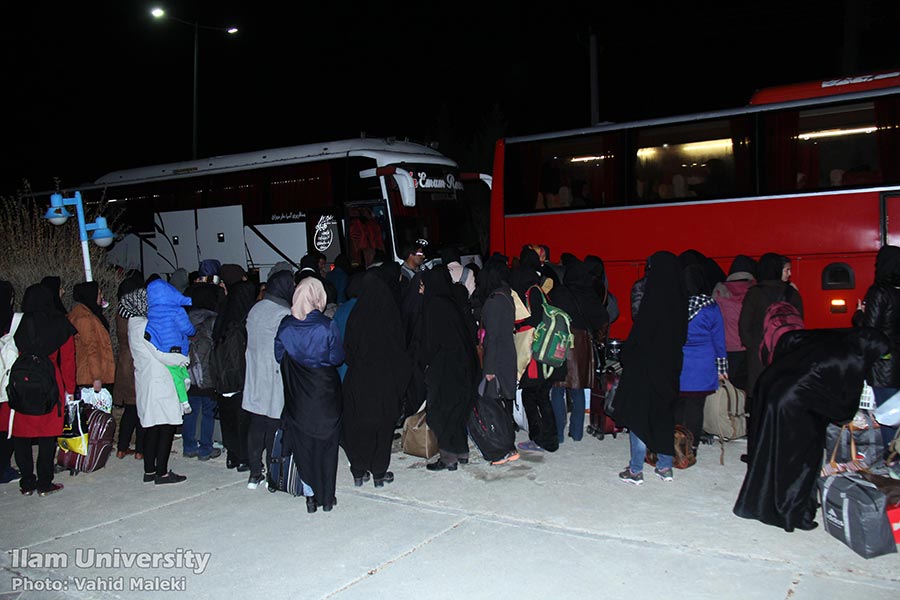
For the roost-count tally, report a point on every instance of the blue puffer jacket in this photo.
(167, 322)
(705, 343)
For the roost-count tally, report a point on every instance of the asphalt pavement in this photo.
(555, 525)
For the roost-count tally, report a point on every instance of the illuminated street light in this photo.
(159, 13)
(57, 214)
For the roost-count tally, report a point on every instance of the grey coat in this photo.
(263, 388)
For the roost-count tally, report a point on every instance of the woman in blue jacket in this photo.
(705, 361)
(308, 346)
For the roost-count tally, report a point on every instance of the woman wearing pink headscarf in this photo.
(309, 348)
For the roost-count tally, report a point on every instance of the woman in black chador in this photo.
(451, 373)
(816, 378)
(308, 347)
(377, 377)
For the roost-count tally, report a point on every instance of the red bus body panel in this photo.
(813, 231)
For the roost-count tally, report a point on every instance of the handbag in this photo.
(417, 438)
(852, 465)
(684, 450)
(74, 437)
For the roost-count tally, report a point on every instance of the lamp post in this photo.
(102, 236)
(159, 13)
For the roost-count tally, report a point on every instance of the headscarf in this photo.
(280, 288)
(887, 266)
(280, 266)
(527, 273)
(133, 280)
(86, 293)
(179, 279)
(7, 294)
(204, 295)
(697, 289)
(742, 264)
(43, 328)
(241, 298)
(770, 266)
(231, 273)
(134, 304)
(54, 284)
(493, 276)
(209, 267)
(309, 296)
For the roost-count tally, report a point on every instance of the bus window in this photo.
(565, 173)
(828, 147)
(694, 160)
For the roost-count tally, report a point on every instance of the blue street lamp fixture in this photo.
(159, 13)
(102, 236)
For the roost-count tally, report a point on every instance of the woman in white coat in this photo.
(159, 410)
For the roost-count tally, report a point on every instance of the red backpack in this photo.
(780, 317)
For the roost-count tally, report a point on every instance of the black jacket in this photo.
(883, 313)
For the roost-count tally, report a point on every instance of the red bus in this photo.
(811, 171)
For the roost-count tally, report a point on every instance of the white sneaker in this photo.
(254, 481)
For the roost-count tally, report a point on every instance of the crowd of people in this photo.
(338, 358)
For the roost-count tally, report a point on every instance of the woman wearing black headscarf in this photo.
(95, 364)
(498, 321)
(526, 281)
(263, 398)
(234, 421)
(816, 379)
(773, 284)
(44, 331)
(578, 297)
(881, 310)
(378, 375)
(125, 393)
(54, 284)
(451, 369)
(729, 295)
(651, 363)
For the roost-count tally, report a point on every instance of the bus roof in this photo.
(827, 87)
(882, 85)
(384, 151)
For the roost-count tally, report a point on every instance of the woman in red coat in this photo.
(46, 332)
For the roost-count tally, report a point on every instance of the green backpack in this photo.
(552, 337)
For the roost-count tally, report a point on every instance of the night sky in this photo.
(91, 87)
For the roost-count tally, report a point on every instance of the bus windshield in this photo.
(441, 214)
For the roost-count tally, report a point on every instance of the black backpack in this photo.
(228, 360)
(32, 386)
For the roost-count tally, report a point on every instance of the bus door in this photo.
(367, 230)
(890, 219)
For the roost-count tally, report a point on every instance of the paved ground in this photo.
(548, 526)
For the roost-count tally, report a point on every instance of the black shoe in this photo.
(230, 464)
(214, 453)
(170, 477)
(327, 507)
(149, 477)
(464, 461)
(386, 478)
(744, 458)
(440, 465)
(311, 505)
(243, 468)
(26, 491)
(359, 481)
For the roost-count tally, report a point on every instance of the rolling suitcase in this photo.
(101, 429)
(600, 424)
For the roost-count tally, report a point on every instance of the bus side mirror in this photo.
(405, 183)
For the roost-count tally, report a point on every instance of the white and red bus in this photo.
(811, 171)
(355, 196)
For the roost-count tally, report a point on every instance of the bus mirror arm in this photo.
(405, 183)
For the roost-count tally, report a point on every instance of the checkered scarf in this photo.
(695, 303)
(133, 304)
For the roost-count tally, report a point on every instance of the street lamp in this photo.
(159, 13)
(102, 236)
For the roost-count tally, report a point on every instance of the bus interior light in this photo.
(838, 305)
(827, 133)
(576, 159)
